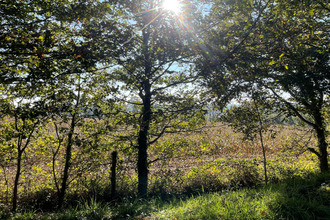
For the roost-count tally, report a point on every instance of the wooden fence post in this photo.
(113, 172)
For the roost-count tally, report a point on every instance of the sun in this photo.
(172, 5)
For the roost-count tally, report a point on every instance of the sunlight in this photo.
(172, 5)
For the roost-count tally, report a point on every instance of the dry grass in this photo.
(212, 158)
(221, 142)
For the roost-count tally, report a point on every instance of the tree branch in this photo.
(290, 106)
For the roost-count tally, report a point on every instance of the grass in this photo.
(213, 174)
(242, 204)
(295, 198)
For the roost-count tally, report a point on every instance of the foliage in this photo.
(281, 46)
(80, 79)
(156, 76)
(49, 51)
(40, 40)
(252, 118)
(299, 65)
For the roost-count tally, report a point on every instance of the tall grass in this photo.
(218, 168)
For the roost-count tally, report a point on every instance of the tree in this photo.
(40, 38)
(77, 100)
(280, 45)
(157, 73)
(297, 65)
(24, 116)
(253, 117)
(44, 44)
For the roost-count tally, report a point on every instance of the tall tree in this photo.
(297, 64)
(281, 45)
(43, 44)
(155, 72)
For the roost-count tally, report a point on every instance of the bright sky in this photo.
(172, 5)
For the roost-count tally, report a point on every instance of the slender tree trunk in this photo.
(18, 173)
(20, 150)
(264, 155)
(55, 153)
(68, 155)
(261, 125)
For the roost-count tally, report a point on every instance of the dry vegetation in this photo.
(212, 159)
(218, 157)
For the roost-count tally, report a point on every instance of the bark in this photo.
(145, 95)
(142, 171)
(264, 155)
(20, 151)
(142, 163)
(18, 173)
(68, 155)
(322, 145)
(320, 128)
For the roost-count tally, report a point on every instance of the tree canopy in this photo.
(281, 46)
(156, 69)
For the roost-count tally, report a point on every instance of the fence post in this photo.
(113, 172)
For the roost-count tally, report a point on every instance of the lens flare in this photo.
(172, 5)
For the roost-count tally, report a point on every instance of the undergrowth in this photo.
(305, 197)
(209, 175)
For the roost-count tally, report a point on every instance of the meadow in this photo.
(212, 173)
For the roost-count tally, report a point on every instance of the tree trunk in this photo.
(142, 171)
(142, 163)
(18, 173)
(264, 155)
(145, 95)
(20, 150)
(322, 143)
(260, 135)
(323, 153)
(324, 166)
(67, 165)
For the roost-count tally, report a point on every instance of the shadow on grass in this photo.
(294, 198)
(304, 198)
